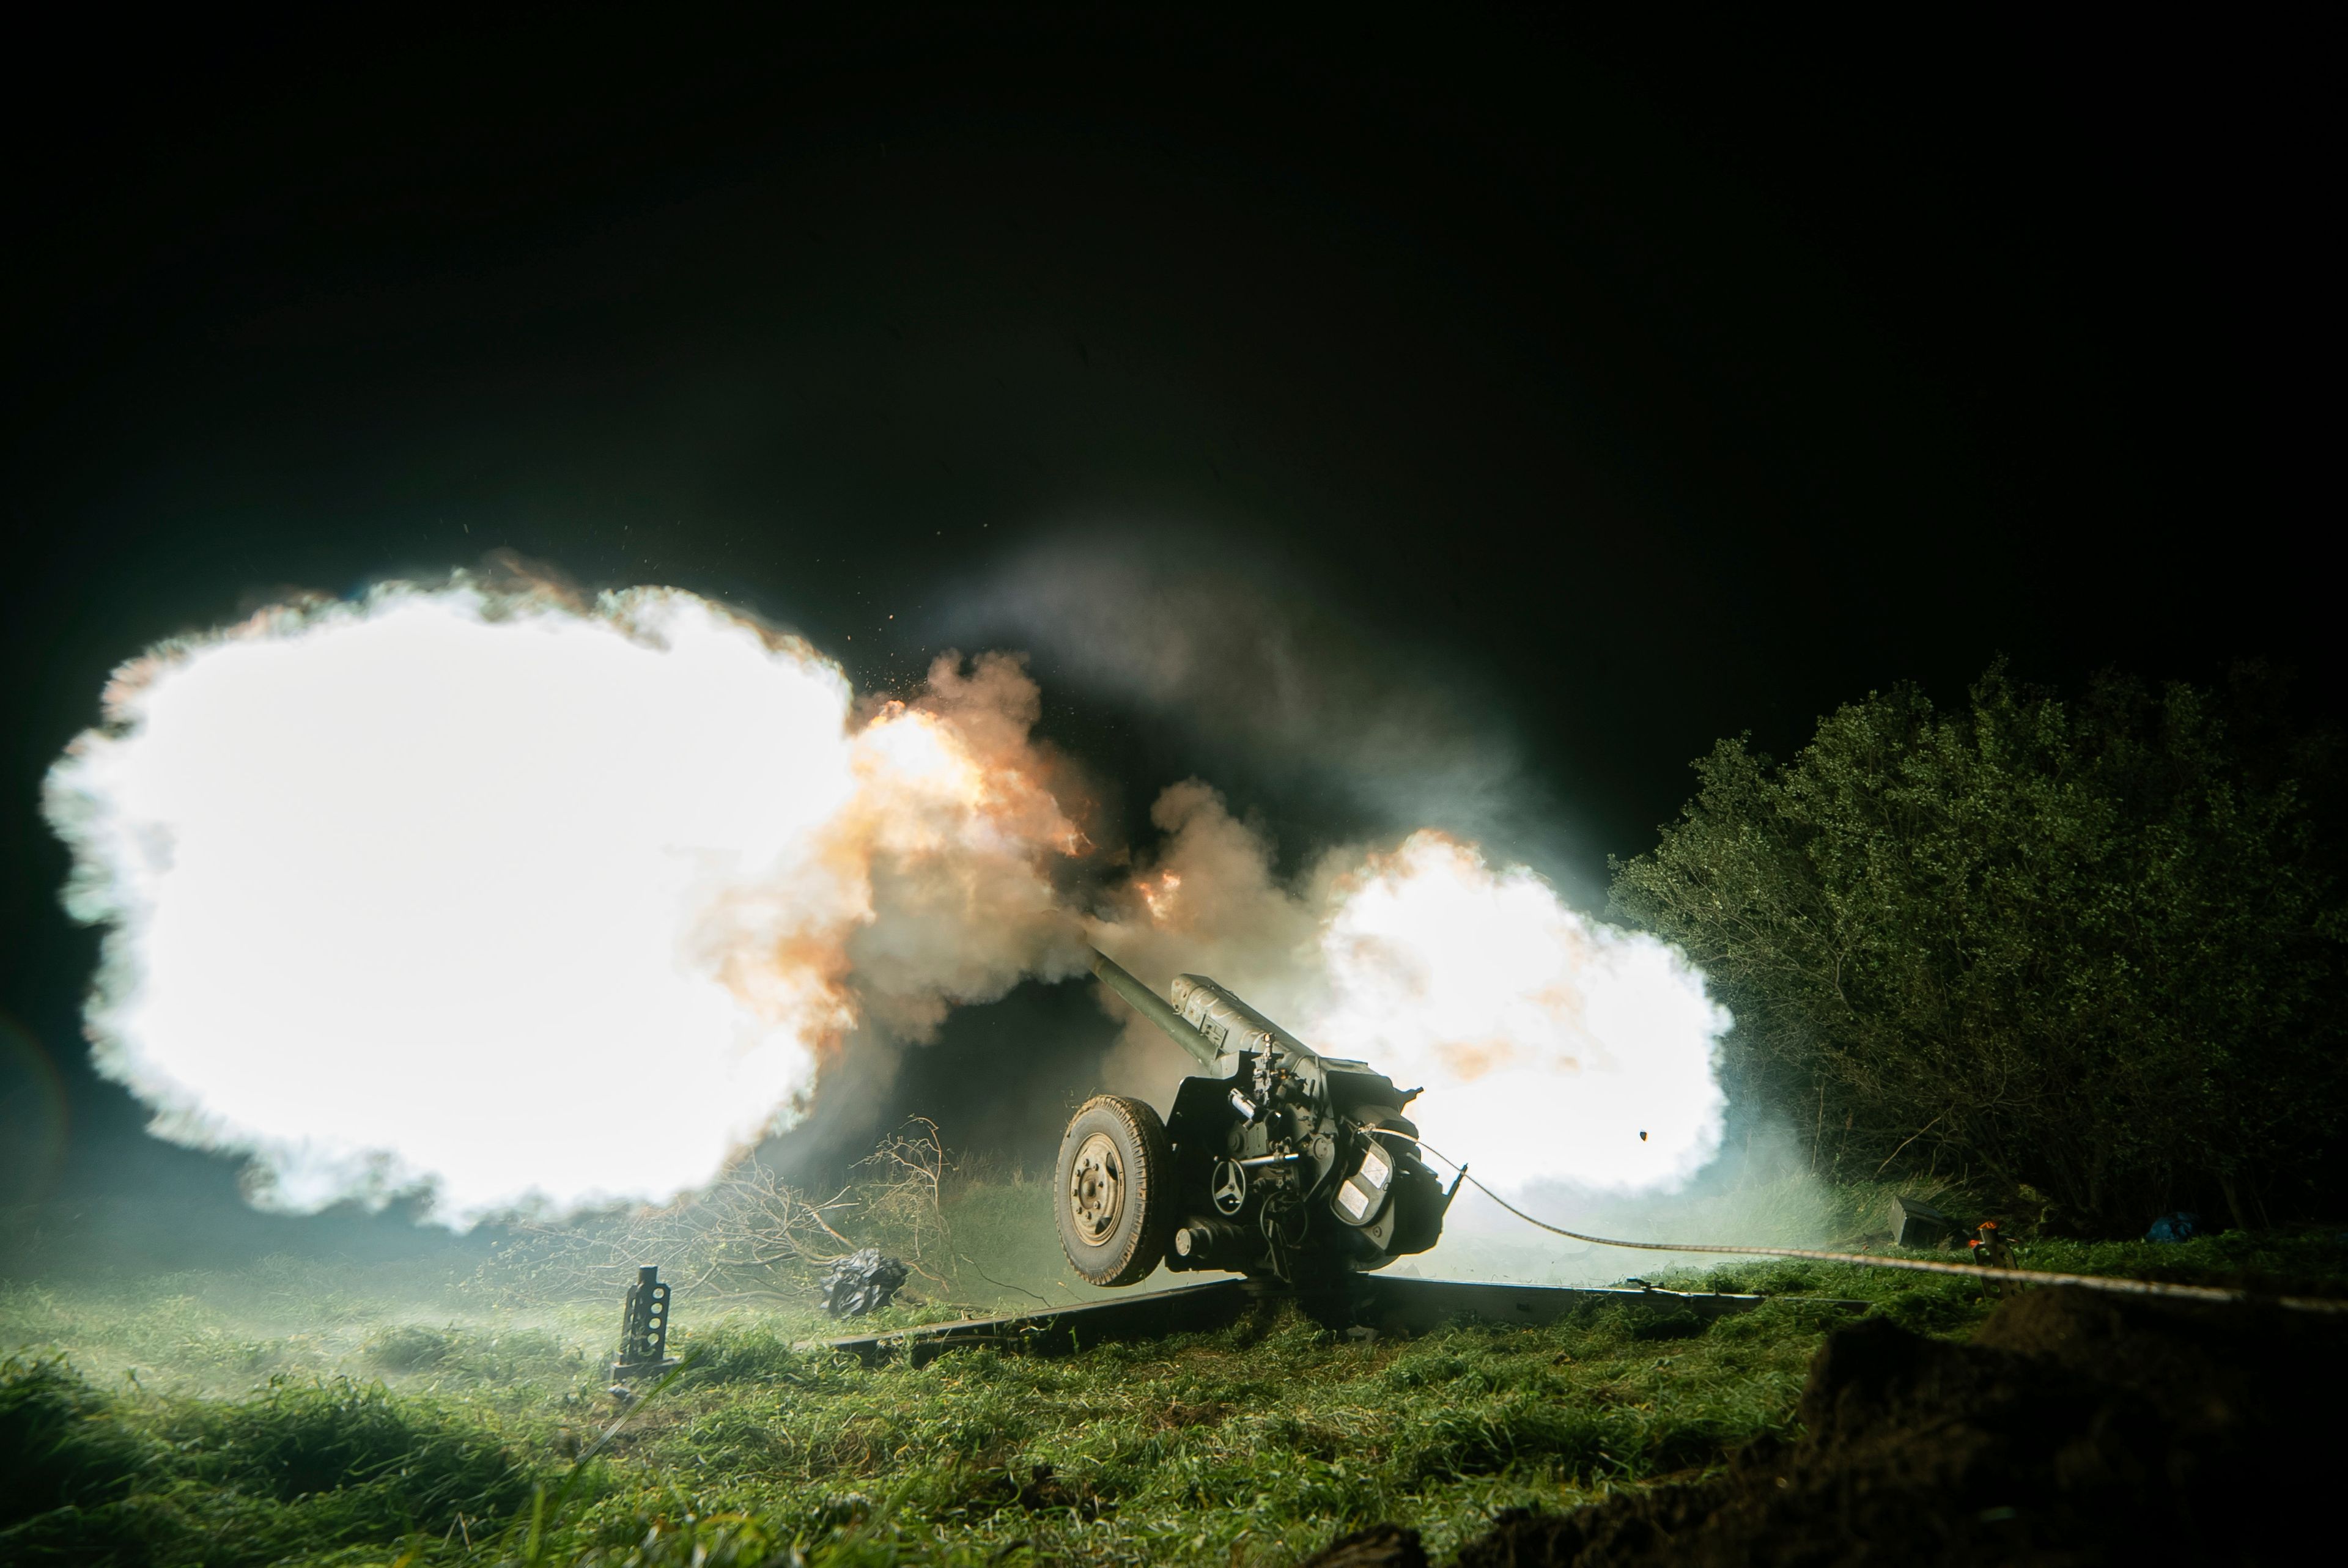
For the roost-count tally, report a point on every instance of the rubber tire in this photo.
(1144, 1226)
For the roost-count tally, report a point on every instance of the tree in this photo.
(2092, 949)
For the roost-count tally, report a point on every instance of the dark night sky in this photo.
(1629, 391)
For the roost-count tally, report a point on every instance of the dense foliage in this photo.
(2088, 953)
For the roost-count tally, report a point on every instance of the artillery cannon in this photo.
(1276, 1162)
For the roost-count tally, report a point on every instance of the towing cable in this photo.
(1913, 1264)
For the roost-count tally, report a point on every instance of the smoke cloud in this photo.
(527, 901)
(1552, 1048)
(1220, 646)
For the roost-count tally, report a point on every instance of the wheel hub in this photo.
(1097, 1189)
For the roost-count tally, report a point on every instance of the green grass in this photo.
(298, 1414)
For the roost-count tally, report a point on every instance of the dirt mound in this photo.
(2075, 1428)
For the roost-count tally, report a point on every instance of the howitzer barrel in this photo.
(1230, 1024)
(1149, 1005)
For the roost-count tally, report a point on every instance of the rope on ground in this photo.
(1920, 1265)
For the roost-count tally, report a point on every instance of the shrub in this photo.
(2093, 951)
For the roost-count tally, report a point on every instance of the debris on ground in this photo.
(1915, 1222)
(862, 1282)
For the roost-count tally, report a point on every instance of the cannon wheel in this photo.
(1115, 1194)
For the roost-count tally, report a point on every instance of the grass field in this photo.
(311, 1413)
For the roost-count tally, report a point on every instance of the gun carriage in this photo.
(1276, 1162)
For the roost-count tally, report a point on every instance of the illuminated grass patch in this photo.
(429, 1440)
